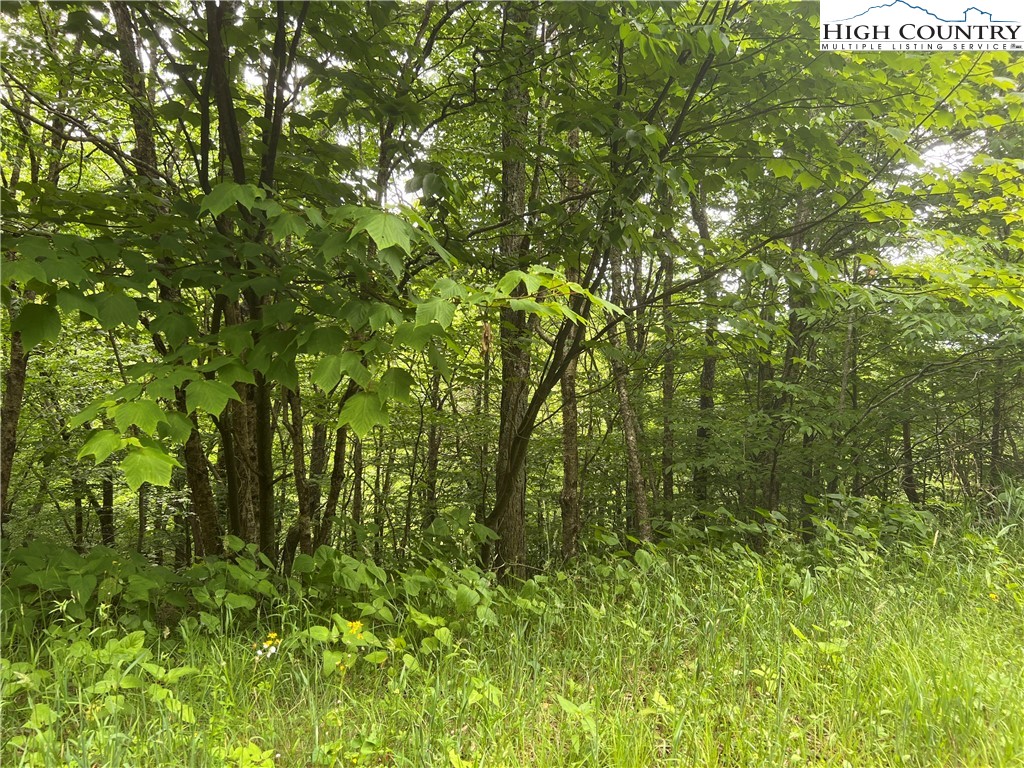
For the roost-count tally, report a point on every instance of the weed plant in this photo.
(887, 641)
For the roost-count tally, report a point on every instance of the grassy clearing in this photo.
(716, 658)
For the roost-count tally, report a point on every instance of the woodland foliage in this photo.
(490, 278)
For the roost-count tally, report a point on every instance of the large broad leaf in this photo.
(466, 598)
(387, 230)
(100, 444)
(327, 373)
(435, 310)
(37, 323)
(362, 412)
(144, 414)
(117, 309)
(211, 396)
(226, 194)
(395, 384)
(148, 465)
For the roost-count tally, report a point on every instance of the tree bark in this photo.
(514, 334)
(300, 535)
(569, 498)
(909, 481)
(326, 527)
(355, 540)
(105, 512)
(706, 402)
(204, 506)
(139, 107)
(635, 482)
(433, 457)
(10, 414)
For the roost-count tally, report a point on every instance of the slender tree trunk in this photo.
(668, 391)
(433, 456)
(325, 531)
(105, 513)
(265, 469)
(996, 435)
(139, 107)
(706, 401)
(79, 517)
(10, 414)
(355, 540)
(569, 499)
(909, 482)
(514, 334)
(635, 483)
(143, 516)
(300, 534)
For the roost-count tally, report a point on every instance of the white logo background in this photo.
(923, 24)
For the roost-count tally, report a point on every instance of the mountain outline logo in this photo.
(904, 3)
(921, 25)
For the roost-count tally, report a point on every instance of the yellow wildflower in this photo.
(354, 627)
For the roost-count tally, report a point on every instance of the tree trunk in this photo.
(144, 148)
(105, 512)
(10, 413)
(265, 469)
(569, 499)
(204, 506)
(514, 334)
(356, 537)
(300, 535)
(326, 528)
(143, 516)
(996, 435)
(909, 482)
(668, 391)
(635, 483)
(706, 402)
(433, 454)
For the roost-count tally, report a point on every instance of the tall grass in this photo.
(713, 657)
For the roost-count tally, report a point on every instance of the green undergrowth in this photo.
(857, 651)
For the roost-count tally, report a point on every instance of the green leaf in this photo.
(226, 194)
(333, 661)
(466, 598)
(100, 445)
(319, 633)
(210, 395)
(176, 426)
(148, 465)
(235, 602)
(288, 225)
(414, 336)
(387, 230)
(117, 309)
(352, 364)
(362, 412)
(144, 414)
(395, 384)
(37, 323)
(435, 310)
(23, 270)
(377, 657)
(327, 373)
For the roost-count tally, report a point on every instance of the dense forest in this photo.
(359, 298)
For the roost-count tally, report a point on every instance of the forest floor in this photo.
(902, 655)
